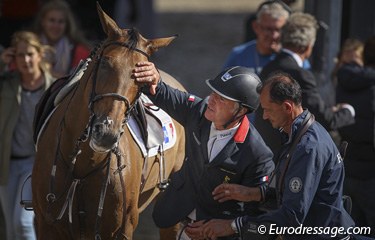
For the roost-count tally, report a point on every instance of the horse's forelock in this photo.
(133, 38)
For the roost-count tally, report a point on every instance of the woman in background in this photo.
(20, 90)
(56, 26)
(350, 52)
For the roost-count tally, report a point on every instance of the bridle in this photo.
(97, 97)
(94, 97)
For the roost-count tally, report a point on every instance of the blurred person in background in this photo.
(356, 85)
(298, 38)
(20, 90)
(249, 31)
(56, 26)
(350, 52)
(271, 17)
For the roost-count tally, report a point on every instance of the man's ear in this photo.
(288, 106)
(243, 111)
(255, 26)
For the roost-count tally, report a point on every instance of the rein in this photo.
(68, 204)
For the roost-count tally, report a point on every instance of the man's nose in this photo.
(265, 116)
(211, 101)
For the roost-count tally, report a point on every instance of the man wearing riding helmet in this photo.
(221, 146)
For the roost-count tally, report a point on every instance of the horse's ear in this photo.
(109, 26)
(157, 43)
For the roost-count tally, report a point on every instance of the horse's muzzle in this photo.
(103, 136)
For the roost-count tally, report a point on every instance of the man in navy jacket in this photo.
(221, 146)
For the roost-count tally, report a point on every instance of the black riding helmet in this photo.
(238, 84)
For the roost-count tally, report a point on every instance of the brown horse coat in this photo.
(87, 174)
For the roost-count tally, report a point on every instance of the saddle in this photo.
(46, 105)
(150, 126)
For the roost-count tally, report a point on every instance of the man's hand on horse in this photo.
(146, 72)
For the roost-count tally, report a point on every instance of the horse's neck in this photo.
(77, 113)
(76, 120)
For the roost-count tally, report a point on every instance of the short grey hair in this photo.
(299, 31)
(275, 10)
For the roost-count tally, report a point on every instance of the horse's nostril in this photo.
(98, 127)
(108, 121)
(102, 126)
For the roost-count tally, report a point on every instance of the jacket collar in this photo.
(295, 56)
(286, 139)
(242, 130)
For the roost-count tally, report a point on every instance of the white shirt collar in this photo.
(221, 134)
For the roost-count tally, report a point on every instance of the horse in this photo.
(87, 180)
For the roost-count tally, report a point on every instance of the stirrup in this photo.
(27, 205)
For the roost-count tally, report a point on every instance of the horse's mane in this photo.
(95, 49)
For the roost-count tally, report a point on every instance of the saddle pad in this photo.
(43, 126)
(168, 127)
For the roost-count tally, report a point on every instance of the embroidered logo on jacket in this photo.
(295, 185)
(226, 179)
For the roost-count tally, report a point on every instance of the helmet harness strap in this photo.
(235, 117)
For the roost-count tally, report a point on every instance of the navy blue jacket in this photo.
(244, 160)
(313, 185)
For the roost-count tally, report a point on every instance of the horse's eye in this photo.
(105, 62)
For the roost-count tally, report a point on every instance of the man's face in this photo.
(220, 110)
(268, 31)
(275, 113)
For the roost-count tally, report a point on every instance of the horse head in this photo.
(114, 91)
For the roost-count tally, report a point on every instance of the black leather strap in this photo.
(309, 119)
